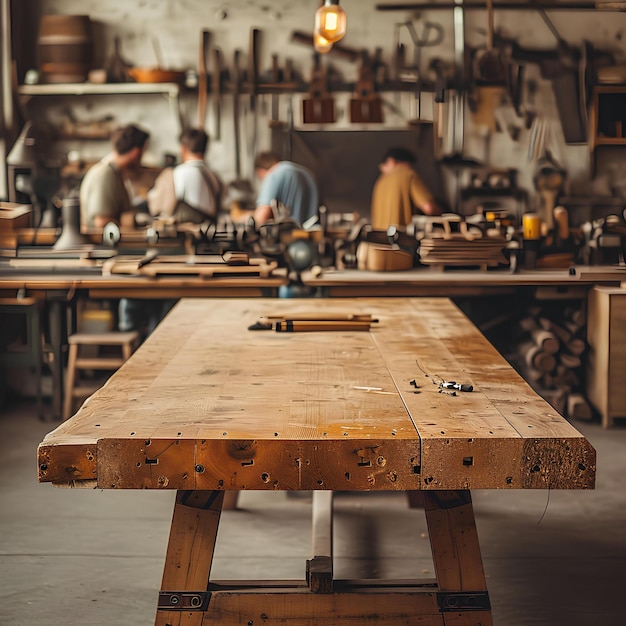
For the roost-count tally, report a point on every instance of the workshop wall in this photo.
(177, 25)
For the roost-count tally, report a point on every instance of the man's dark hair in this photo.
(402, 155)
(129, 137)
(195, 140)
(265, 160)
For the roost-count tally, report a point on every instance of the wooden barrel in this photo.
(65, 48)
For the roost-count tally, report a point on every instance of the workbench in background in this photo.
(60, 284)
(557, 283)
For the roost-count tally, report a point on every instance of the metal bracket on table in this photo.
(463, 601)
(184, 600)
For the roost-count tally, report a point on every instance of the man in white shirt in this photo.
(190, 192)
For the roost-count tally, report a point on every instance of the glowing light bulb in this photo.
(320, 44)
(330, 21)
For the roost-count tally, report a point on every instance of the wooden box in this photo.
(13, 217)
(606, 362)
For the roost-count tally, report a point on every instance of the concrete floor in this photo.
(74, 557)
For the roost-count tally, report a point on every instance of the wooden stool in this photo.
(126, 341)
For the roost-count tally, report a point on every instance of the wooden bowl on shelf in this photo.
(155, 75)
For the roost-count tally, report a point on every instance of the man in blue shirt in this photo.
(284, 183)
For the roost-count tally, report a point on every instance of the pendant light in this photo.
(320, 44)
(330, 21)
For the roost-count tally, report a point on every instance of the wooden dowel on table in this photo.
(294, 326)
(324, 317)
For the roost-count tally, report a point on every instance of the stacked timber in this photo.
(458, 250)
(550, 355)
(449, 241)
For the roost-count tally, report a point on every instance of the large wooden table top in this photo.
(207, 404)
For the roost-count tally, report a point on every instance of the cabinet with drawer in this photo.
(606, 363)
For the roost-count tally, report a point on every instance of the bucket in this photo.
(65, 48)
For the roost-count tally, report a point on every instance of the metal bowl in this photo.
(155, 75)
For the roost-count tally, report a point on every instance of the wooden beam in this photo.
(189, 556)
(319, 569)
(481, 5)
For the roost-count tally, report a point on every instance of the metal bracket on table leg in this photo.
(463, 601)
(184, 600)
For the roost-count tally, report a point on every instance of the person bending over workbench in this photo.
(286, 183)
(104, 196)
(399, 192)
(189, 192)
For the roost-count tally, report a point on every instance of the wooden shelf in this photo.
(610, 141)
(607, 117)
(170, 90)
(84, 89)
(609, 201)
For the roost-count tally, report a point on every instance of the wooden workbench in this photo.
(38, 276)
(59, 282)
(429, 282)
(206, 406)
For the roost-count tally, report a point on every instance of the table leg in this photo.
(189, 557)
(457, 559)
(458, 597)
(57, 329)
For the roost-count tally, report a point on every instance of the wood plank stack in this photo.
(458, 250)
(207, 266)
(450, 241)
(551, 353)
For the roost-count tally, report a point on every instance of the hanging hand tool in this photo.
(236, 87)
(432, 35)
(365, 105)
(117, 66)
(288, 147)
(240, 190)
(216, 88)
(205, 37)
(253, 81)
(274, 121)
(490, 63)
(319, 107)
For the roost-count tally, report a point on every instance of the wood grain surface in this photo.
(207, 404)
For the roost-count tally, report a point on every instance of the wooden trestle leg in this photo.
(463, 597)
(457, 598)
(184, 596)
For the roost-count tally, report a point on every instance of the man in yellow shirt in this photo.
(399, 192)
